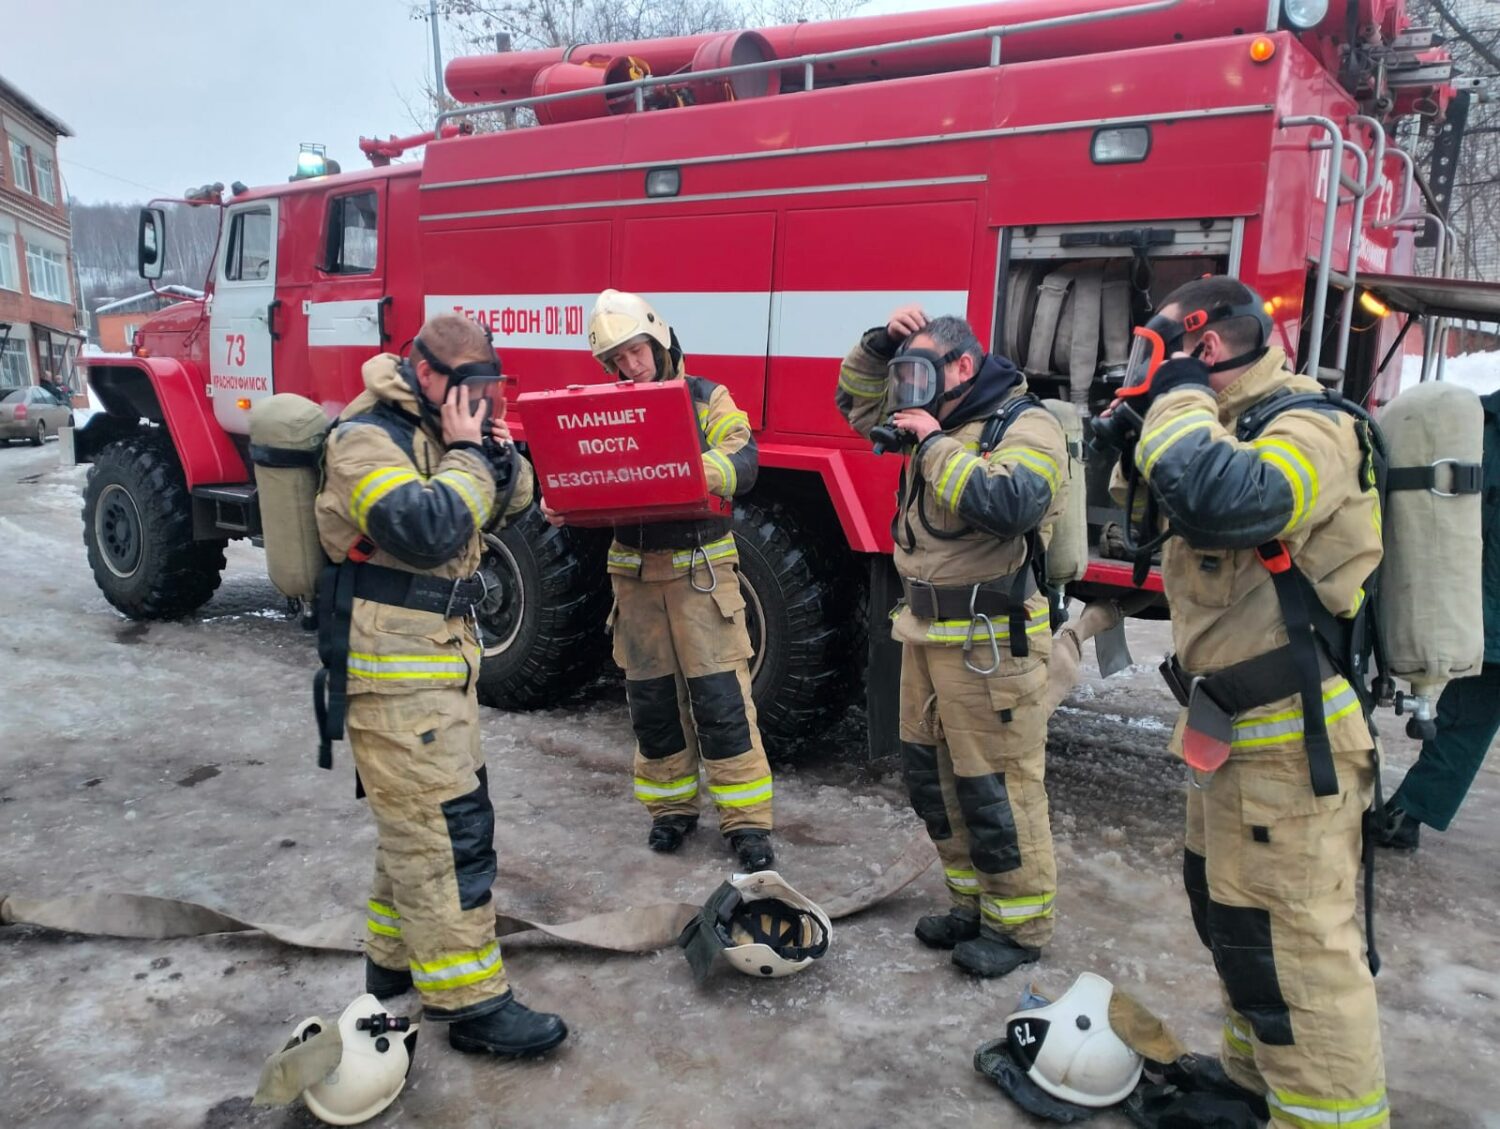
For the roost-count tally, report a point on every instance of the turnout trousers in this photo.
(973, 752)
(429, 908)
(685, 655)
(1271, 872)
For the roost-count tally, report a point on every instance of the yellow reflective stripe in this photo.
(375, 486)
(1155, 443)
(627, 557)
(1299, 474)
(1377, 519)
(450, 667)
(741, 795)
(467, 487)
(1314, 1113)
(714, 551)
(962, 881)
(1033, 460)
(726, 471)
(1013, 911)
(458, 970)
(957, 630)
(681, 789)
(941, 487)
(723, 426)
(1359, 602)
(859, 386)
(1237, 1037)
(382, 919)
(1251, 732)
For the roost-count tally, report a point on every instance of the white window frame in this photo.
(20, 161)
(46, 174)
(16, 349)
(44, 267)
(10, 265)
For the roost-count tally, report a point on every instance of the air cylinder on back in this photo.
(286, 445)
(1430, 592)
(1068, 551)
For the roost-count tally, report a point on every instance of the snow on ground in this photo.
(176, 759)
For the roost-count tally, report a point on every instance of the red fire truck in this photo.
(1047, 168)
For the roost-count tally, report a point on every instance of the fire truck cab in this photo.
(774, 194)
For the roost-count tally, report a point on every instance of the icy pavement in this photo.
(177, 759)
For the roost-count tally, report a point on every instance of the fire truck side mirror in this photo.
(151, 243)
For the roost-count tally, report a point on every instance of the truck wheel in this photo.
(543, 625)
(801, 596)
(138, 527)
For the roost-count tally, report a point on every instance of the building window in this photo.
(351, 234)
(249, 257)
(48, 274)
(20, 165)
(10, 270)
(46, 180)
(15, 364)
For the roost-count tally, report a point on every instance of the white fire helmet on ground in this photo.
(620, 317)
(1069, 1048)
(762, 926)
(377, 1055)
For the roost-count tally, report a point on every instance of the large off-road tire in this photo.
(138, 527)
(543, 625)
(802, 595)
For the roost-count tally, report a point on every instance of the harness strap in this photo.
(1302, 639)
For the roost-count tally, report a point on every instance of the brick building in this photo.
(39, 323)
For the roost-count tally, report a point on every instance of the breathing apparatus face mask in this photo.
(479, 377)
(1152, 346)
(914, 381)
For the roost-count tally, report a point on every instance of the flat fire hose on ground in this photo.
(637, 929)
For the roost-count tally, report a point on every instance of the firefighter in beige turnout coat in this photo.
(405, 498)
(1270, 867)
(679, 615)
(973, 744)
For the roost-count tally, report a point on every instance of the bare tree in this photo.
(1471, 29)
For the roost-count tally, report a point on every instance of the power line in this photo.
(121, 179)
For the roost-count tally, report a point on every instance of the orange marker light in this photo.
(1262, 47)
(243, 404)
(1373, 304)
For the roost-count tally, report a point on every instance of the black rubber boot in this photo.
(944, 930)
(513, 1029)
(383, 983)
(1400, 832)
(992, 954)
(754, 850)
(668, 832)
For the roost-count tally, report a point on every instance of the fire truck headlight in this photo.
(1304, 15)
(1121, 145)
(663, 182)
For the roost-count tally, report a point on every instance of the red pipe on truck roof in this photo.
(509, 75)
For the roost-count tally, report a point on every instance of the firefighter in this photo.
(679, 615)
(412, 479)
(980, 489)
(1276, 528)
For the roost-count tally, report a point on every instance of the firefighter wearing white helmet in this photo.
(679, 620)
(760, 925)
(377, 1055)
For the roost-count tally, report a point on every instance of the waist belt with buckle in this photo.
(992, 598)
(1246, 685)
(338, 588)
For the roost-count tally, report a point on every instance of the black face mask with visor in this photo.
(914, 380)
(472, 374)
(1156, 341)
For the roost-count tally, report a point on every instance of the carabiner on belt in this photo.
(974, 619)
(713, 579)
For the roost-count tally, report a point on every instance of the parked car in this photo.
(32, 414)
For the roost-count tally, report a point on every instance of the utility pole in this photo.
(437, 55)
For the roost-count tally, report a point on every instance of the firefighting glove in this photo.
(1179, 372)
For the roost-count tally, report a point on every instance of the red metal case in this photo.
(611, 453)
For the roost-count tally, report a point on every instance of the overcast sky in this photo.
(165, 94)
